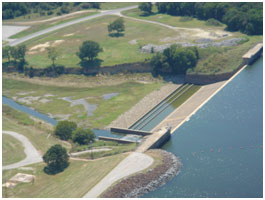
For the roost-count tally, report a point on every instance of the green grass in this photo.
(226, 59)
(20, 117)
(184, 97)
(107, 110)
(12, 150)
(115, 5)
(171, 20)
(41, 26)
(38, 133)
(73, 182)
(116, 149)
(116, 50)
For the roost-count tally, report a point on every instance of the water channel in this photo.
(221, 145)
(46, 118)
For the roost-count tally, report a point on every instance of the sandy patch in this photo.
(25, 93)
(133, 42)
(67, 35)
(49, 95)
(24, 178)
(60, 117)
(57, 42)
(44, 100)
(88, 28)
(32, 52)
(39, 46)
(28, 100)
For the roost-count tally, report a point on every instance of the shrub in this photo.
(213, 22)
(83, 136)
(64, 129)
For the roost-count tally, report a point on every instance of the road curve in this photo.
(54, 28)
(33, 156)
(133, 163)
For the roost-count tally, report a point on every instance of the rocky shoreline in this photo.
(142, 183)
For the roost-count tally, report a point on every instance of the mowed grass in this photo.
(176, 21)
(74, 182)
(44, 25)
(116, 50)
(115, 5)
(12, 150)
(39, 134)
(129, 94)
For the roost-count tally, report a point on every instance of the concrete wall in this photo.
(162, 140)
(115, 140)
(129, 131)
(140, 67)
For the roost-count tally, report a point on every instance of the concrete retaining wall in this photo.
(129, 131)
(115, 140)
(162, 140)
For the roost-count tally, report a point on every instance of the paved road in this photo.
(33, 156)
(48, 30)
(133, 163)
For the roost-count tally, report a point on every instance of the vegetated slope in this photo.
(35, 10)
(246, 17)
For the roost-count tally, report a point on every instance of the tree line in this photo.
(246, 17)
(11, 10)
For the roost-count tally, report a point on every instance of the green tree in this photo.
(52, 54)
(83, 136)
(117, 25)
(56, 158)
(6, 52)
(146, 7)
(14, 54)
(21, 52)
(64, 129)
(89, 50)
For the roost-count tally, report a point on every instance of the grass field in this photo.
(117, 50)
(220, 60)
(171, 20)
(75, 181)
(43, 25)
(115, 5)
(129, 94)
(37, 133)
(12, 150)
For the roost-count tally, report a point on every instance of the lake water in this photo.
(221, 145)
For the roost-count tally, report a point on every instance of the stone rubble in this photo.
(139, 184)
(201, 43)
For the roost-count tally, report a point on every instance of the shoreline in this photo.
(144, 182)
(209, 98)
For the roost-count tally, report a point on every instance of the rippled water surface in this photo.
(221, 145)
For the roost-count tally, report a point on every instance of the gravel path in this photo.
(8, 31)
(133, 163)
(33, 156)
(147, 103)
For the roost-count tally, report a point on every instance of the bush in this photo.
(64, 129)
(83, 136)
(213, 22)
(56, 158)
(50, 12)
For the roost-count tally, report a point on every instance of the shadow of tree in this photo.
(116, 34)
(91, 63)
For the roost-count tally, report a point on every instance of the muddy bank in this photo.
(141, 183)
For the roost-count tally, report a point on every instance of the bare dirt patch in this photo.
(68, 35)
(57, 42)
(39, 46)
